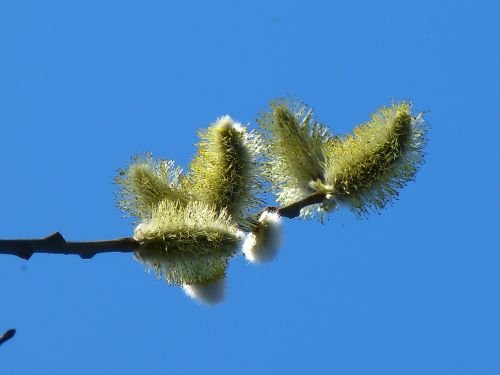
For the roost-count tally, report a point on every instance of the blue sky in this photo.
(84, 85)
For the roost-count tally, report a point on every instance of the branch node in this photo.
(55, 238)
(25, 254)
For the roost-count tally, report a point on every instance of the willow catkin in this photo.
(365, 170)
(187, 244)
(225, 171)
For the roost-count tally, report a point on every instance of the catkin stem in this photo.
(293, 210)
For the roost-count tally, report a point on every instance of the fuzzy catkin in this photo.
(187, 244)
(208, 294)
(146, 182)
(225, 172)
(262, 244)
(294, 153)
(366, 169)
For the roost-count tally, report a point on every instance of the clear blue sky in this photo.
(84, 85)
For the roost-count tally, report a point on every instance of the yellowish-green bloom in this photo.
(225, 172)
(295, 150)
(363, 171)
(366, 169)
(190, 224)
(187, 244)
(146, 182)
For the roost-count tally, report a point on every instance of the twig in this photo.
(56, 244)
(7, 336)
(293, 210)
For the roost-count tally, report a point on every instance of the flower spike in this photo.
(366, 169)
(225, 171)
(146, 182)
(187, 244)
(295, 150)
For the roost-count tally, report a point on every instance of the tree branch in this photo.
(7, 336)
(56, 244)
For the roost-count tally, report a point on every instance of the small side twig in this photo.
(293, 210)
(7, 336)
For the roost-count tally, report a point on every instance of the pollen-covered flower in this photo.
(261, 245)
(187, 244)
(225, 172)
(209, 294)
(364, 170)
(146, 182)
(295, 150)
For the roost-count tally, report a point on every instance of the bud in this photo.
(210, 293)
(261, 245)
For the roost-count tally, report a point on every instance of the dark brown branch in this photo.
(293, 210)
(56, 244)
(7, 336)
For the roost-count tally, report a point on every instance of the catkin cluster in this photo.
(362, 171)
(190, 224)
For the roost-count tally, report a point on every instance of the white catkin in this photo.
(262, 245)
(207, 294)
(226, 122)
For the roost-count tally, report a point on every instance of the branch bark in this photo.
(56, 244)
(293, 210)
(7, 336)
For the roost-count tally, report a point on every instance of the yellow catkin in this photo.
(145, 183)
(224, 173)
(295, 149)
(187, 244)
(365, 170)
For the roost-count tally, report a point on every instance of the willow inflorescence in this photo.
(190, 224)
